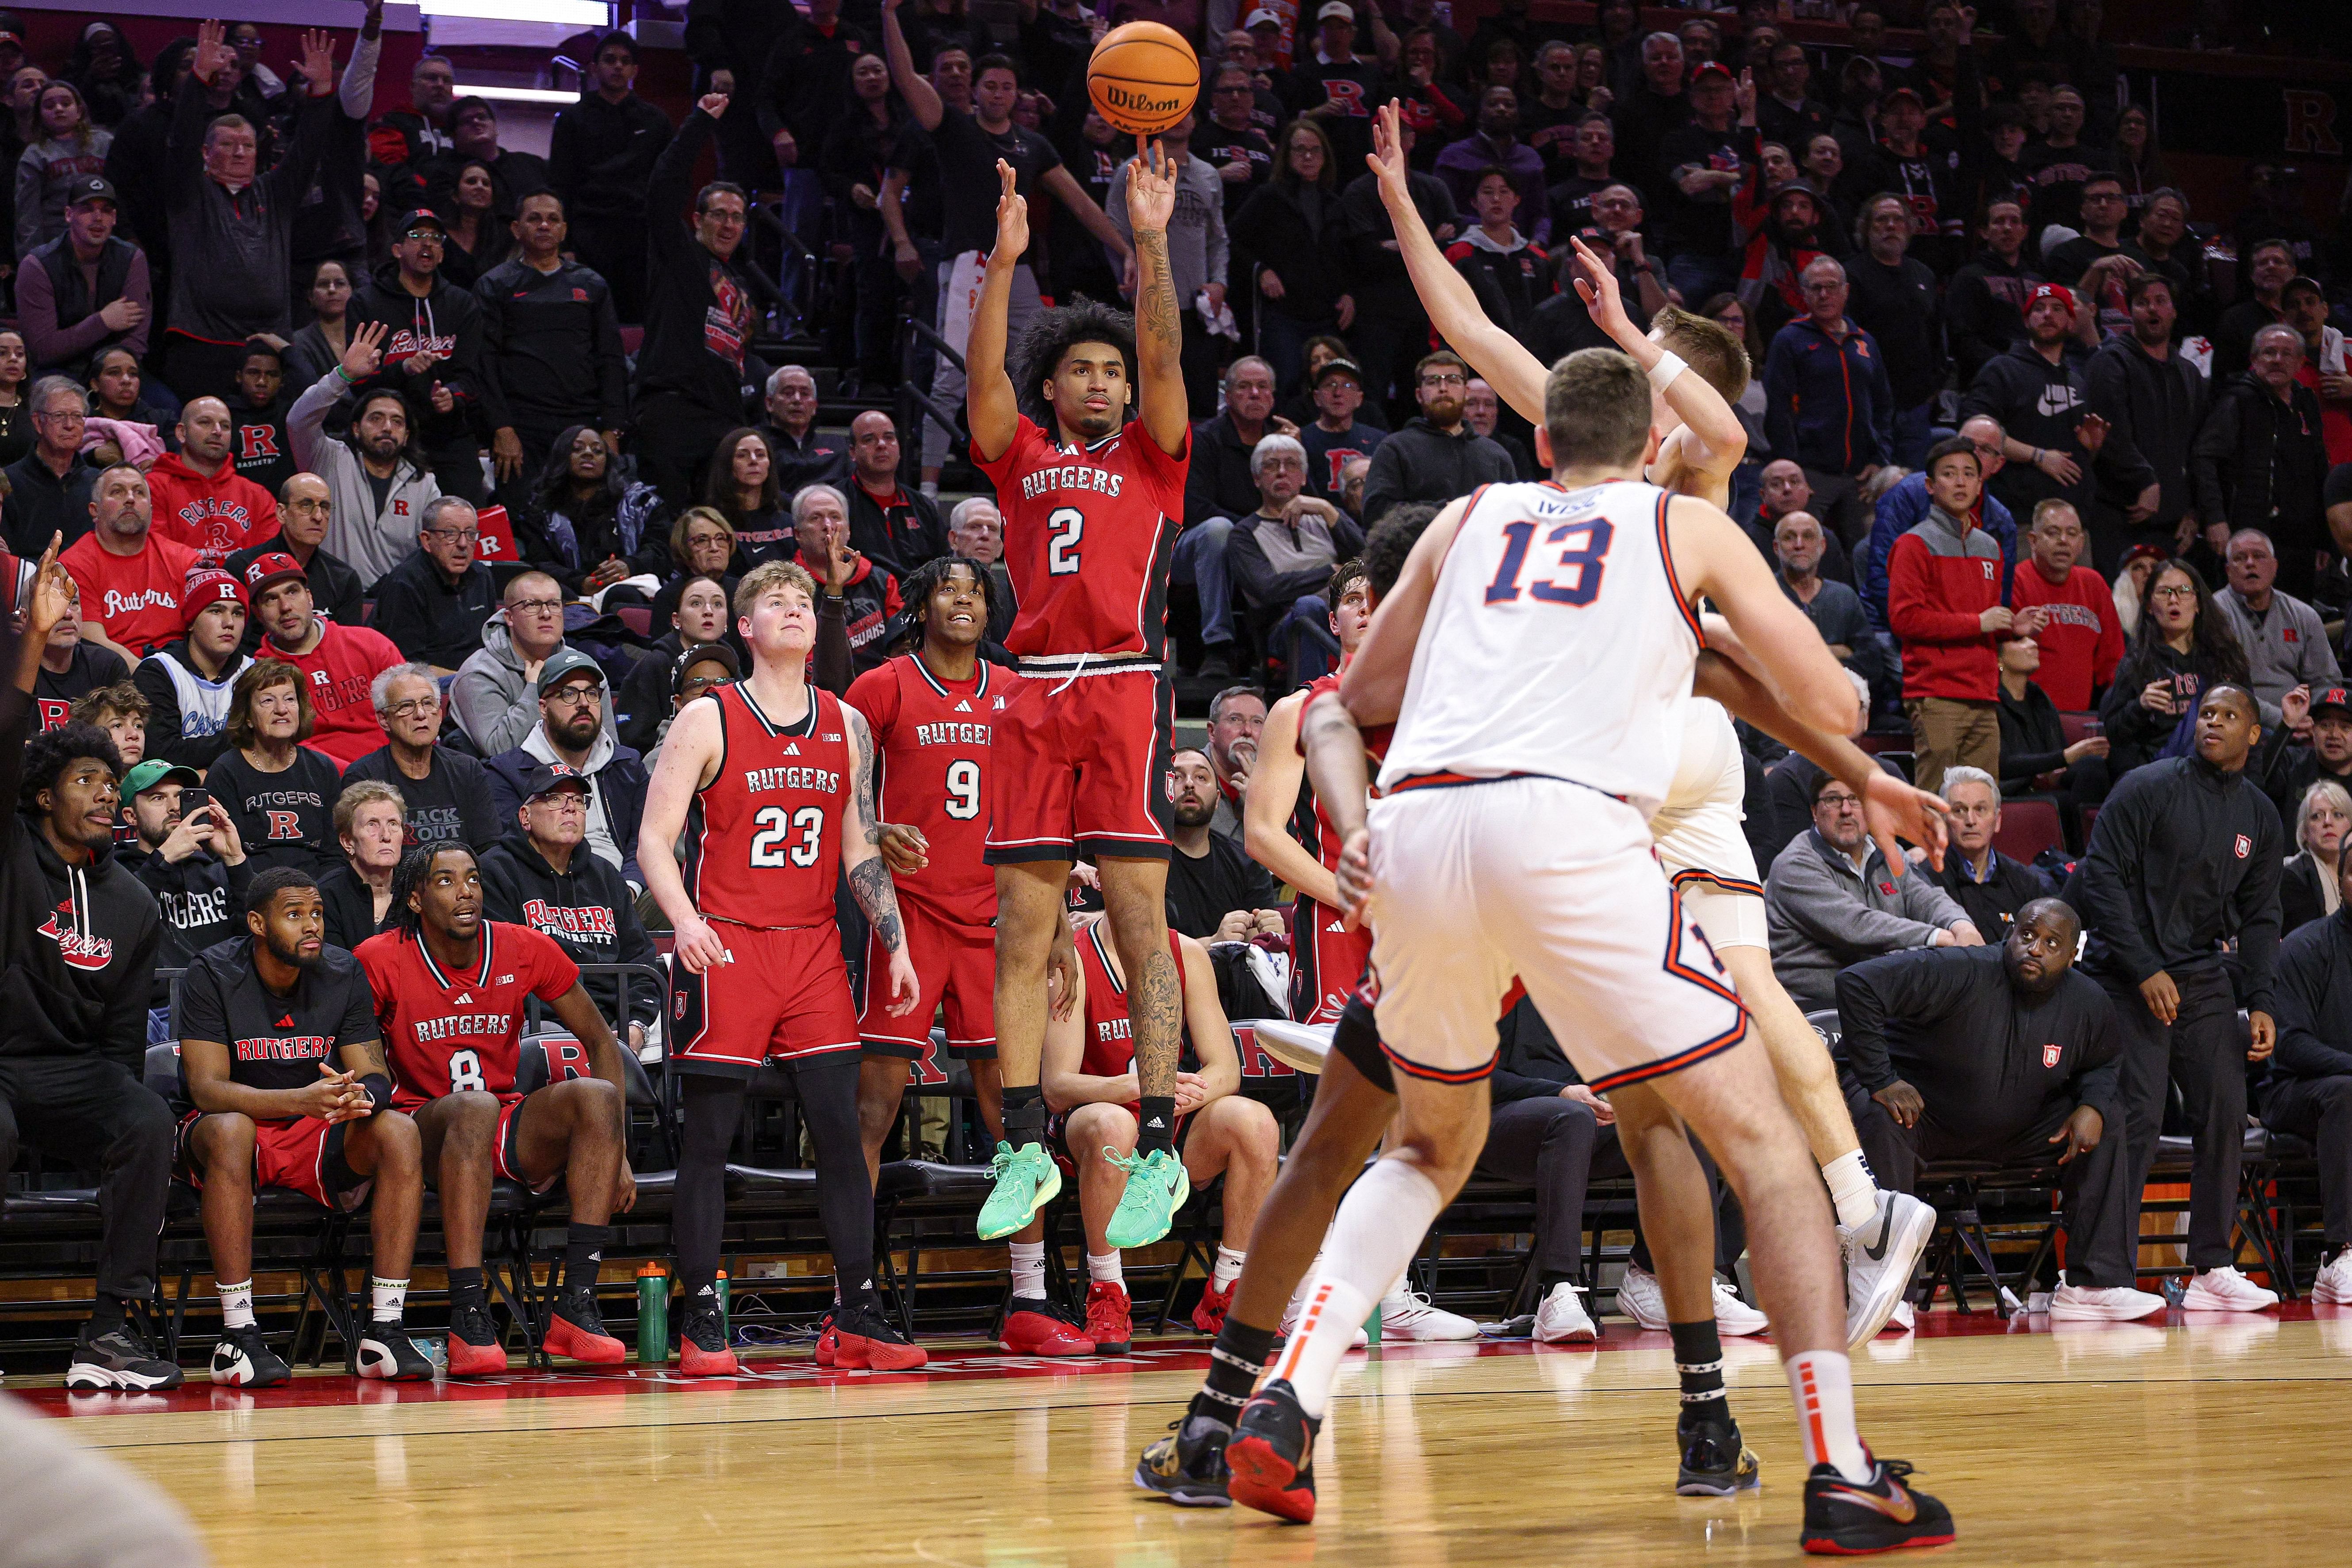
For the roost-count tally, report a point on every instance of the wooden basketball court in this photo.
(2207, 1440)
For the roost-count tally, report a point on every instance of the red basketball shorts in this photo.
(1078, 765)
(301, 1155)
(956, 965)
(781, 993)
(1325, 962)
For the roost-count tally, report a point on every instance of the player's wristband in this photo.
(379, 1090)
(1669, 366)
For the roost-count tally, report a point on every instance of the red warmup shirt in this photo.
(1939, 583)
(135, 597)
(2085, 640)
(215, 516)
(341, 668)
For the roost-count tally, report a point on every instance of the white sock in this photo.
(1228, 1268)
(1105, 1269)
(1028, 1270)
(389, 1297)
(1852, 1189)
(1821, 1383)
(237, 1305)
(1380, 1224)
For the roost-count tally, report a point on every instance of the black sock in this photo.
(465, 1286)
(1547, 1278)
(701, 1292)
(1024, 1116)
(1235, 1363)
(583, 1250)
(107, 1314)
(1158, 1129)
(1699, 1361)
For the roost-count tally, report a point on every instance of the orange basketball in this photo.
(1143, 78)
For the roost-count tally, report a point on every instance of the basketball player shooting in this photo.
(1080, 756)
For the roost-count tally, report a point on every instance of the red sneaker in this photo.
(1108, 1321)
(1035, 1328)
(702, 1347)
(867, 1339)
(577, 1331)
(828, 1345)
(474, 1347)
(1209, 1316)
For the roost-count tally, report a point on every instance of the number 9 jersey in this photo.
(764, 837)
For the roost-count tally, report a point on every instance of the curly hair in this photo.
(925, 579)
(1392, 540)
(412, 875)
(1050, 338)
(50, 753)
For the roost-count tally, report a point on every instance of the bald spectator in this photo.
(799, 454)
(130, 580)
(201, 500)
(1828, 402)
(495, 695)
(2082, 637)
(896, 528)
(434, 604)
(1782, 490)
(2284, 640)
(1834, 609)
(2261, 462)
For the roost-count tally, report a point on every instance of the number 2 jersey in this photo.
(932, 736)
(764, 837)
(447, 1030)
(1557, 643)
(1088, 535)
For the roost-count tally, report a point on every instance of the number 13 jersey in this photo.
(1088, 535)
(932, 736)
(1557, 643)
(764, 837)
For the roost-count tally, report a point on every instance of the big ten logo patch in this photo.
(1256, 1060)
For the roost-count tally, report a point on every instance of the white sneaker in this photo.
(2226, 1291)
(2334, 1286)
(1734, 1316)
(1562, 1317)
(1406, 1314)
(1640, 1297)
(1361, 1341)
(1881, 1254)
(1902, 1319)
(2115, 1304)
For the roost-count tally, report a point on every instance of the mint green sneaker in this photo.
(1027, 1181)
(1157, 1187)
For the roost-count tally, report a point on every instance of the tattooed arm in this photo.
(1158, 315)
(869, 878)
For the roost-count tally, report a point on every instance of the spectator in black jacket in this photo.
(701, 619)
(2183, 644)
(2001, 1054)
(49, 487)
(2151, 396)
(1215, 891)
(259, 445)
(192, 862)
(444, 798)
(853, 159)
(1217, 489)
(358, 892)
(1893, 296)
(1291, 230)
(898, 528)
(588, 529)
(2292, 770)
(2308, 887)
(2053, 441)
(2036, 758)
(2186, 854)
(187, 683)
(2260, 461)
(542, 875)
(304, 509)
(71, 670)
(432, 352)
(1390, 329)
(433, 604)
(1981, 880)
(600, 160)
(1984, 309)
(551, 353)
(698, 315)
(820, 520)
(1435, 456)
(2310, 1092)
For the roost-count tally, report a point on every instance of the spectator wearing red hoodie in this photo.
(1943, 601)
(129, 576)
(2082, 638)
(200, 500)
(340, 662)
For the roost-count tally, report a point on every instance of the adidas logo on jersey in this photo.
(791, 749)
(964, 707)
(460, 1000)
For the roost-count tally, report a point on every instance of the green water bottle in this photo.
(726, 1328)
(653, 1315)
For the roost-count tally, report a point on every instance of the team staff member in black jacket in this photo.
(2186, 854)
(1999, 1053)
(551, 352)
(78, 937)
(2311, 1078)
(599, 158)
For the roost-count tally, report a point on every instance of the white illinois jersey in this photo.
(1557, 644)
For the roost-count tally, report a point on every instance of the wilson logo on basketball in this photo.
(1149, 102)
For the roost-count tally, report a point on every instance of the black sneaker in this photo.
(1846, 1518)
(1715, 1462)
(1272, 1454)
(385, 1353)
(864, 1336)
(122, 1358)
(242, 1359)
(1188, 1466)
(476, 1349)
(702, 1349)
(576, 1331)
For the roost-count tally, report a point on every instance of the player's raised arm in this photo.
(1516, 375)
(992, 406)
(1373, 685)
(1159, 314)
(869, 878)
(1272, 796)
(689, 759)
(922, 97)
(1715, 440)
(1712, 557)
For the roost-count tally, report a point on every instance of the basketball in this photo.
(1143, 78)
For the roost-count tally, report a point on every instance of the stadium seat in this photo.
(637, 618)
(2077, 726)
(2028, 824)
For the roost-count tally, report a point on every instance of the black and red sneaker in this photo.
(702, 1349)
(1850, 1519)
(1272, 1454)
(1035, 1326)
(576, 1330)
(865, 1337)
(474, 1348)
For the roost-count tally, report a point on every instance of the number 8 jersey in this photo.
(1557, 643)
(764, 837)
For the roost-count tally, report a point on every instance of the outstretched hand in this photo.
(213, 52)
(1012, 216)
(53, 595)
(1892, 808)
(1387, 160)
(364, 351)
(1150, 189)
(1596, 285)
(317, 64)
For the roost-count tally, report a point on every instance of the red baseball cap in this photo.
(2058, 291)
(264, 569)
(1714, 67)
(210, 587)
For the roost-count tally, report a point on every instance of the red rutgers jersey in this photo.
(933, 736)
(1110, 1036)
(443, 1032)
(763, 838)
(1088, 533)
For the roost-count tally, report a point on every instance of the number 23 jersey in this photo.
(1088, 535)
(447, 1031)
(764, 837)
(933, 738)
